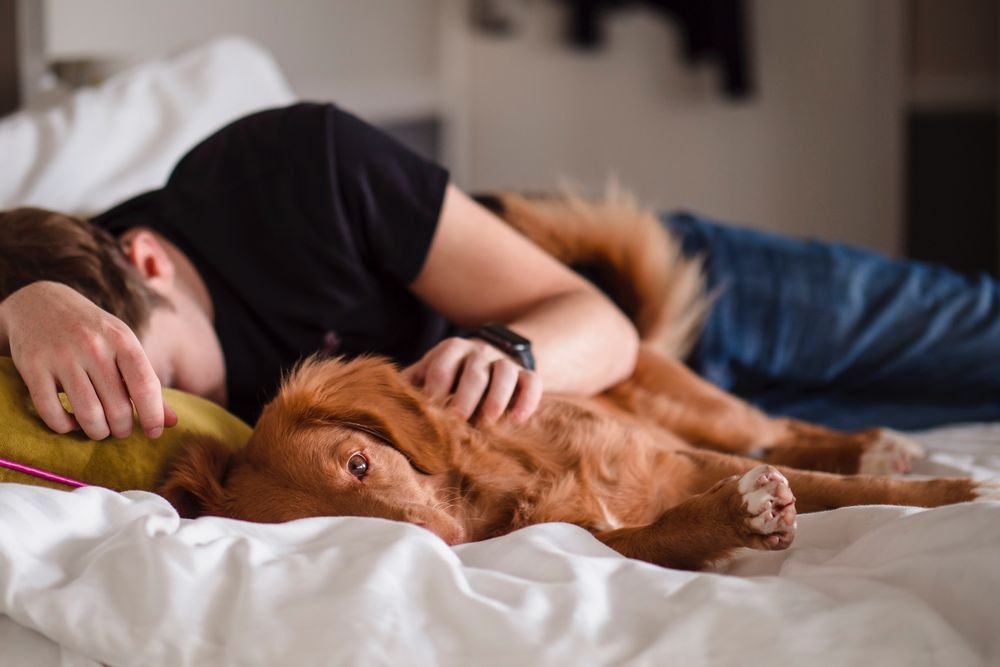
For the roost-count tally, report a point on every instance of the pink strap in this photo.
(44, 474)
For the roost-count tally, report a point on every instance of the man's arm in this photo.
(479, 270)
(61, 341)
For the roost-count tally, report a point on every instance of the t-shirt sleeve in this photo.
(391, 195)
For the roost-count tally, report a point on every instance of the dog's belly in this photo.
(602, 470)
(613, 498)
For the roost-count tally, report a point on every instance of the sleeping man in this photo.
(302, 229)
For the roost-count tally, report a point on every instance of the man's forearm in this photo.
(582, 344)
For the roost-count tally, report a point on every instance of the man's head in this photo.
(42, 245)
(141, 278)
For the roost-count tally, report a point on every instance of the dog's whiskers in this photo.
(445, 506)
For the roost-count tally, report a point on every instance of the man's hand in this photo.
(61, 341)
(477, 375)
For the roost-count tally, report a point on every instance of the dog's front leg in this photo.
(756, 510)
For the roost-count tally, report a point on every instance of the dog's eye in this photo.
(357, 465)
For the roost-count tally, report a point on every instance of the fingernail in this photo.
(154, 432)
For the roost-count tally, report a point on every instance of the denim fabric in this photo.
(843, 336)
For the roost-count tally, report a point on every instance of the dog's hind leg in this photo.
(667, 393)
(875, 451)
(817, 491)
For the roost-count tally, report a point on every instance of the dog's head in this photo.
(340, 439)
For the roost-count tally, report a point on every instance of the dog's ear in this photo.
(194, 479)
(404, 420)
(369, 393)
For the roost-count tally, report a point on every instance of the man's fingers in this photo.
(443, 369)
(87, 407)
(169, 416)
(144, 389)
(529, 395)
(117, 406)
(503, 381)
(478, 377)
(471, 386)
(45, 396)
(414, 374)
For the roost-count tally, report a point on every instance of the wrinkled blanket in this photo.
(93, 577)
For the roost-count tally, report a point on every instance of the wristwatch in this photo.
(516, 347)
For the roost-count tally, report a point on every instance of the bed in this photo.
(95, 577)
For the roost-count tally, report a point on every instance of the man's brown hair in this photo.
(36, 245)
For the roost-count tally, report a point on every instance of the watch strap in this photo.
(514, 345)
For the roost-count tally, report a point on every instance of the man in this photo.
(304, 230)
(300, 230)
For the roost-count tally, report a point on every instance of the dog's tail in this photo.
(626, 250)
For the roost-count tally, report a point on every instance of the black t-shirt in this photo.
(307, 225)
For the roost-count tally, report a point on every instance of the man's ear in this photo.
(194, 479)
(145, 252)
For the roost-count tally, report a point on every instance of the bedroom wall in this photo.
(817, 152)
(380, 56)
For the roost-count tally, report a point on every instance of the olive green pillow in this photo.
(136, 462)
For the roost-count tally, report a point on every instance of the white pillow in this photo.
(107, 143)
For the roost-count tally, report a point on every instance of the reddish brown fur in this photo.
(660, 290)
(635, 465)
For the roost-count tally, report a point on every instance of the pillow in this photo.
(136, 462)
(107, 143)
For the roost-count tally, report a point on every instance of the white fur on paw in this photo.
(892, 453)
(987, 489)
(770, 504)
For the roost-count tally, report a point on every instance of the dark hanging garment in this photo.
(711, 30)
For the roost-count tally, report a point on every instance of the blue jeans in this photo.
(842, 336)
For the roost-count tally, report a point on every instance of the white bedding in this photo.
(95, 577)
(105, 144)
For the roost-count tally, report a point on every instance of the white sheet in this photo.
(94, 577)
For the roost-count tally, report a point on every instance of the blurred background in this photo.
(872, 122)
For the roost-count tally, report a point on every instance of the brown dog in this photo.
(655, 467)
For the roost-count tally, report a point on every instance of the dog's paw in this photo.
(770, 507)
(889, 454)
(986, 490)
